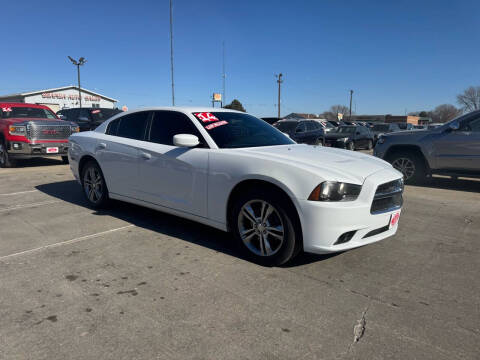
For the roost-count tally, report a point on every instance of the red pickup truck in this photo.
(29, 130)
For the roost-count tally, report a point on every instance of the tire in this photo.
(283, 241)
(370, 145)
(351, 146)
(94, 186)
(318, 141)
(65, 159)
(5, 160)
(410, 165)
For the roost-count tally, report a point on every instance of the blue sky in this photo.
(396, 55)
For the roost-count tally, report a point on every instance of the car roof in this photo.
(18, 104)
(186, 109)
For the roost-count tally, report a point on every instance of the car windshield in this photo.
(346, 129)
(103, 114)
(238, 130)
(379, 127)
(26, 112)
(286, 126)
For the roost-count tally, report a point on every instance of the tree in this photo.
(445, 112)
(332, 113)
(235, 105)
(470, 99)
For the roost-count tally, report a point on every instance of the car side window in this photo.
(112, 127)
(166, 124)
(301, 127)
(132, 126)
(473, 125)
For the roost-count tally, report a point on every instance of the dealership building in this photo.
(62, 98)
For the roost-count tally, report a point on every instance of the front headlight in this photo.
(75, 129)
(343, 139)
(335, 191)
(17, 130)
(381, 139)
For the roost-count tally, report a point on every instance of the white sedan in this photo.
(233, 171)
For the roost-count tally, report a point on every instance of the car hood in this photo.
(329, 163)
(24, 120)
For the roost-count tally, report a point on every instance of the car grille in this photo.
(48, 131)
(388, 197)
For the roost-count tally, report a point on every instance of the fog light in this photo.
(17, 146)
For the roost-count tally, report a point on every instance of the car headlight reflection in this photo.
(335, 191)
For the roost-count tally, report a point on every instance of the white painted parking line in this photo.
(71, 241)
(30, 205)
(18, 193)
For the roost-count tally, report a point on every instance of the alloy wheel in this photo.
(93, 185)
(405, 166)
(261, 228)
(2, 155)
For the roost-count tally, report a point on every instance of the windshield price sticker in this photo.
(6, 109)
(206, 117)
(216, 124)
(95, 111)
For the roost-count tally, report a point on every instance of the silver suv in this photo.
(452, 149)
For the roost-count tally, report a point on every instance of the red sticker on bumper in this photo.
(395, 218)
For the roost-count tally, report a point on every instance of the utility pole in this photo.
(279, 81)
(78, 63)
(350, 116)
(171, 52)
(224, 100)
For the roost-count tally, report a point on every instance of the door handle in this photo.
(146, 156)
(101, 146)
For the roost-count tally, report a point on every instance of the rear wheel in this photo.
(318, 141)
(263, 224)
(410, 165)
(5, 161)
(94, 186)
(370, 145)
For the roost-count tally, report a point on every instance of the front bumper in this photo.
(323, 223)
(19, 150)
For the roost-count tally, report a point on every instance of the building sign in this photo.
(217, 97)
(69, 96)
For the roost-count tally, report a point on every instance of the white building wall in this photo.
(68, 98)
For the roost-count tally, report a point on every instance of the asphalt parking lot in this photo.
(131, 283)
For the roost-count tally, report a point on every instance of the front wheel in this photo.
(94, 186)
(351, 146)
(410, 165)
(265, 228)
(5, 161)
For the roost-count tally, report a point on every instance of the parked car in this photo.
(270, 120)
(420, 127)
(350, 137)
(405, 126)
(452, 149)
(383, 128)
(335, 123)
(29, 130)
(232, 171)
(302, 131)
(87, 118)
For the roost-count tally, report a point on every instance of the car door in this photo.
(301, 132)
(459, 149)
(118, 155)
(171, 176)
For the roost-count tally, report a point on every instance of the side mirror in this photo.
(454, 125)
(61, 116)
(185, 140)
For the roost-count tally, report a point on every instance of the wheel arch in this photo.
(83, 161)
(269, 184)
(407, 148)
